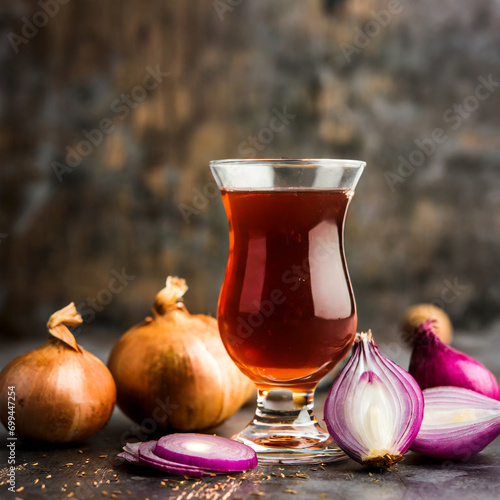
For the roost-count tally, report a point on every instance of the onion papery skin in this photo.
(62, 395)
(173, 372)
(370, 385)
(434, 364)
(463, 432)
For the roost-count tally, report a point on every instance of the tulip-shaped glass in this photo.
(286, 309)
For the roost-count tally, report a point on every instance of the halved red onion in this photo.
(458, 423)
(374, 409)
(434, 363)
(206, 452)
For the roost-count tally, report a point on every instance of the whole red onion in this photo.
(433, 364)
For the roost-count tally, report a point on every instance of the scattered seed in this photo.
(293, 492)
(80, 451)
(257, 493)
(36, 480)
(95, 483)
(314, 469)
(103, 456)
(370, 474)
(304, 476)
(70, 494)
(48, 477)
(21, 488)
(70, 463)
(78, 483)
(43, 486)
(322, 495)
(113, 495)
(36, 463)
(104, 493)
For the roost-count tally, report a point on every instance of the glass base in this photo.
(284, 430)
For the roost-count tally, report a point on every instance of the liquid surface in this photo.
(286, 310)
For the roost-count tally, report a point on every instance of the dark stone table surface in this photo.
(91, 469)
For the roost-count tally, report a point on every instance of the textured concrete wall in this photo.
(110, 112)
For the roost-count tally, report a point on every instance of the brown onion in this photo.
(63, 393)
(418, 313)
(174, 369)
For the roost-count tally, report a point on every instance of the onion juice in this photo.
(286, 310)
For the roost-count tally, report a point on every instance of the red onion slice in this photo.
(374, 408)
(148, 457)
(206, 452)
(458, 423)
(133, 459)
(132, 448)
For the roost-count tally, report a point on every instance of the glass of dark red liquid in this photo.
(286, 310)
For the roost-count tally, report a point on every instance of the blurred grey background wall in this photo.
(110, 112)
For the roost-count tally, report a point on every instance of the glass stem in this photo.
(285, 408)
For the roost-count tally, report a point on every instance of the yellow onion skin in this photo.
(61, 395)
(175, 370)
